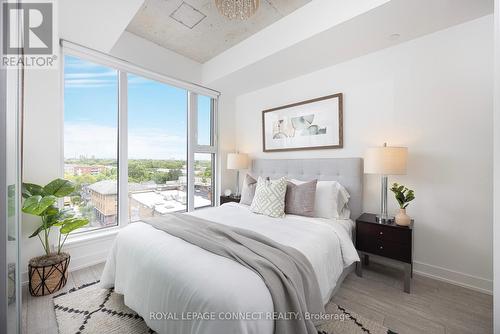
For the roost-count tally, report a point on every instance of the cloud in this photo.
(86, 75)
(99, 79)
(90, 139)
(75, 85)
(77, 63)
(155, 143)
(89, 83)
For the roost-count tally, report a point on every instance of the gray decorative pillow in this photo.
(269, 197)
(248, 191)
(300, 198)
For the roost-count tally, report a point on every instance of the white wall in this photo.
(433, 95)
(227, 144)
(42, 150)
(496, 154)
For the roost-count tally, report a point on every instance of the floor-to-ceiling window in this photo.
(91, 140)
(129, 142)
(157, 148)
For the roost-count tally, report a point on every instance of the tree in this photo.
(160, 177)
(174, 174)
(137, 172)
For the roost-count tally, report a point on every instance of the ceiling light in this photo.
(237, 9)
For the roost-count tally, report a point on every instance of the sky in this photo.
(157, 115)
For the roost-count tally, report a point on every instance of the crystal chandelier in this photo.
(241, 9)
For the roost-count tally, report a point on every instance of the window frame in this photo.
(123, 68)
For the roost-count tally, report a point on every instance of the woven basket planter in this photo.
(48, 273)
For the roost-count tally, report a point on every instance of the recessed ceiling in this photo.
(197, 30)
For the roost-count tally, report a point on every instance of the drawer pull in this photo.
(381, 247)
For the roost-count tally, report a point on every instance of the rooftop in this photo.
(105, 187)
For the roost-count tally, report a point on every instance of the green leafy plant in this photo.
(403, 195)
(42, 202)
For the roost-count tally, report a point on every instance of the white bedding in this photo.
(157, 272)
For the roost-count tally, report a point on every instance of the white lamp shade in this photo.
(386, 160)
(237, 161)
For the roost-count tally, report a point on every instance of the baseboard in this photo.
(454, 277)
(88, 261)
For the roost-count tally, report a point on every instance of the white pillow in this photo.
(331, 200)
(269, 197)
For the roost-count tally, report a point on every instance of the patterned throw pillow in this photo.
(269, 197)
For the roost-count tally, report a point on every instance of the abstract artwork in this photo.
(311, 124)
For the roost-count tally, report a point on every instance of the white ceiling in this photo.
(158, 21)
(360, 35)
(75, 17)
(195, 29)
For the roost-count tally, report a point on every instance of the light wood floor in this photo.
(432, 307)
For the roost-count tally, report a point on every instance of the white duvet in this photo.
(180, 288)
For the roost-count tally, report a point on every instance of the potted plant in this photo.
(49, 273)
(404, 196)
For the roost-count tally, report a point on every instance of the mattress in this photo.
(180, 288)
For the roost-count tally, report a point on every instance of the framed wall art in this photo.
(308, 125)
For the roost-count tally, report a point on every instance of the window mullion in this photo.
(192, 144)
(122, 149)
(217, 184)
(205, 149)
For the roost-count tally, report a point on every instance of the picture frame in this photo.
(308, 125)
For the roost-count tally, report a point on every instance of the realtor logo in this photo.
(28, 34)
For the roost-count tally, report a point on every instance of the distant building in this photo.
(88, 170)
(104, 198)
(145, 199)
(69, 169)
(155, 203)
(163, 170)
(78, 170)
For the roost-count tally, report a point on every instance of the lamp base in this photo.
(237, 194)
(384, 219)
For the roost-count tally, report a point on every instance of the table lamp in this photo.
(385, 161)
(237, 161)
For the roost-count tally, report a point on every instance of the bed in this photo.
(178, 287)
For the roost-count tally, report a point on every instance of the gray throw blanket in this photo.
(286, 272)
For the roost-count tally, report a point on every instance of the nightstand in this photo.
(227, 199)
(387, 240)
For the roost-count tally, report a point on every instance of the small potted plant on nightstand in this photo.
(404, 196)
(49, 273)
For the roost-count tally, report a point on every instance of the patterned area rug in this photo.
(90, 310)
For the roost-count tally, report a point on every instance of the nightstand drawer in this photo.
(389, 249)
(383, 233)
(384, 240)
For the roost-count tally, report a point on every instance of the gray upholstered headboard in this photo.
(347, 171)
